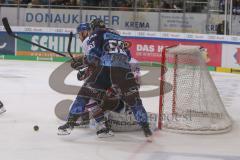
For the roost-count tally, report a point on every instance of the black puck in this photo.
(36, 128)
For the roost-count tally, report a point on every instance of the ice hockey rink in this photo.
(29, 100)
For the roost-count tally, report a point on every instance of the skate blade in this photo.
(63, 133)
(81, 126)
(105, 135)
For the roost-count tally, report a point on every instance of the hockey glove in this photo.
(77, 63)
(82, 74)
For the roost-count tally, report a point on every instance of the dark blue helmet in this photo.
(97, 23)
(83, 27)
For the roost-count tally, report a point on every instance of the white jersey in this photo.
(85, 48)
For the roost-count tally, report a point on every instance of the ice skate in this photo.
(68, 127)
(104, 131)
(65, 129)
(147, 132)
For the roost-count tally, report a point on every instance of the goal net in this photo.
(193, 104)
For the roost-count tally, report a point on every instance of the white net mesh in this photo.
(193, 105)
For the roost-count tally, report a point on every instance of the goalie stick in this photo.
(10, 33)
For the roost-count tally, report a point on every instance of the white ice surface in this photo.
(29, 101)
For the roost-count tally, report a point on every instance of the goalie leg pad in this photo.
(103, 130)
(122, 122)
(126, 122)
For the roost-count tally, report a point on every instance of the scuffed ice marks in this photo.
(229, 89)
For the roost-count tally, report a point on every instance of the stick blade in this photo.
(6, 25)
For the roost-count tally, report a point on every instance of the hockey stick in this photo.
(69, 46)
(10, 33)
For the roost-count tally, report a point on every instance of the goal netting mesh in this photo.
(193, 105)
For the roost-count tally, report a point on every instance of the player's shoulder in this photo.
(106, 33)
(133, 60)
(112, 34)
(99, 31)
(112, 31)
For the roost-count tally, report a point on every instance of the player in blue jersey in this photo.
(79, 112)
(83, 32)
(109, 54)
(110, 59)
